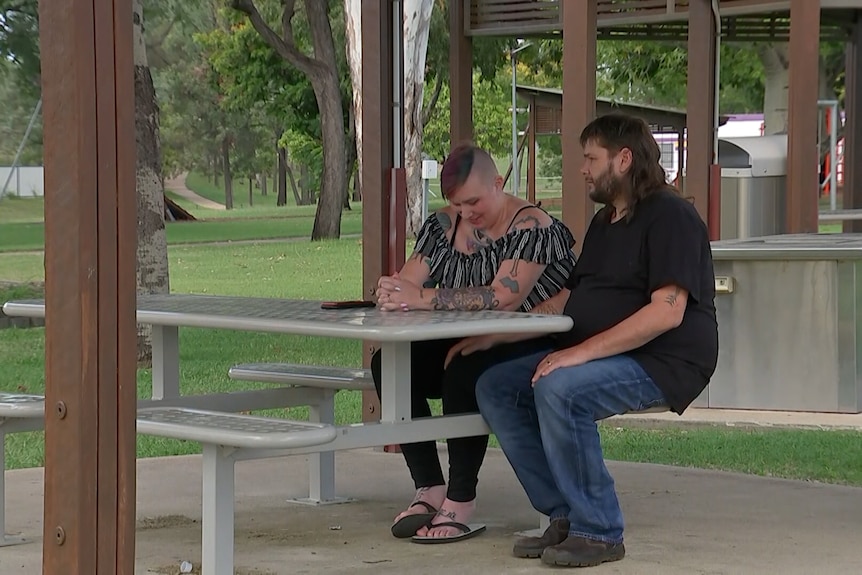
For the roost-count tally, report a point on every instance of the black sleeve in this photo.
(675, 243)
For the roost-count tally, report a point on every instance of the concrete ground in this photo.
(679, 521)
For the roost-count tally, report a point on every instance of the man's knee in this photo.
(560, 387)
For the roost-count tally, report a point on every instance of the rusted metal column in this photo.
(802, 177)
(460, 74)
(700, 110)
(579, 108)
(853, 128)
(90, 386)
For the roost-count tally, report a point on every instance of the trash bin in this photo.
(753, 186)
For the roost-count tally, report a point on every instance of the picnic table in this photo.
(394, 331)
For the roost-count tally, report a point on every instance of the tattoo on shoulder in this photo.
(467, 299)
(671, 298)
(527, 223)
(445, 221)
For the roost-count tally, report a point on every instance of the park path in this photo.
(177, 185)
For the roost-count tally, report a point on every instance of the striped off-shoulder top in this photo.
(451, 268)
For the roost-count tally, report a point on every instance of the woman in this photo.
(485, 250)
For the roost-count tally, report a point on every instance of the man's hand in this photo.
(569, 357)
(469, 345)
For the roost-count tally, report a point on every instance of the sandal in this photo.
(408, 525)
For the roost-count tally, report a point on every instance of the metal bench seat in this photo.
(351, 378)
(231, 429)
(21, 405)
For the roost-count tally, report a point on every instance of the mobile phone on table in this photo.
(347, 304)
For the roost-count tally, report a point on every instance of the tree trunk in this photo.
(357, 194)
(215, 168)
(263, 184)
(281, 199)
(289, 171)
(152, 252)
(353, 23)
(250, 191)
(417, 23)
(321, 69)
(304, 186)
(350, 153)
(228, 178)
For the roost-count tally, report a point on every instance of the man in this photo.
(645, 334)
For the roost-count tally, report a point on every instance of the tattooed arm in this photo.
(664, 312)
(514, 281)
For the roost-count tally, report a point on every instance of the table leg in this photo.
(395, 382)
(217, 509)
(166, 361)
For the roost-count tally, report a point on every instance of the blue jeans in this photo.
(549, 435)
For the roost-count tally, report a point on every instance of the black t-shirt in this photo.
(664, 243)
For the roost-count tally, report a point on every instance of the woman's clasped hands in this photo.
(396, 294)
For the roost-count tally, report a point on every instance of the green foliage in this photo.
(491, 118)
(19, 41)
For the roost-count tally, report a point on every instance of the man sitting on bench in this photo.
(645, 334)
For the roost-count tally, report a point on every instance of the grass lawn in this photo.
(324, 270)
(21, 236)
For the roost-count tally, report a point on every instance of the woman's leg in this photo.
(466, 454)
(426, 373)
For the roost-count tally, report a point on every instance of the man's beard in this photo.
(606, 188)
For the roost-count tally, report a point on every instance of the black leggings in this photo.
(456, 385)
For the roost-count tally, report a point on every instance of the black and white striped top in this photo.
(451, 268)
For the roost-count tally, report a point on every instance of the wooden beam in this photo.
(802, 176)
(700, 116)
(90, 386)
(579, 109)
(460, 74)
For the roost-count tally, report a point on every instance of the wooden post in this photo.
(89, 150)
(802, 177)
(377, 160)
(700, 111)
(579, 108)
(460, 75)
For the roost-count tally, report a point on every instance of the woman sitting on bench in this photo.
(488, 250)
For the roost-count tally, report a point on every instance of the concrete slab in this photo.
(679, 521)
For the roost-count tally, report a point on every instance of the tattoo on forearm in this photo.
(514, 273)
(671, 299)
(525, 223)
(511, 284)
(468, 299)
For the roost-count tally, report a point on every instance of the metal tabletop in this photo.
(304, 317)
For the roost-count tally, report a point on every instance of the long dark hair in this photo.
(617, 131)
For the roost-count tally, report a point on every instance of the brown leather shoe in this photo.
(581, 552)
(532, 547)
